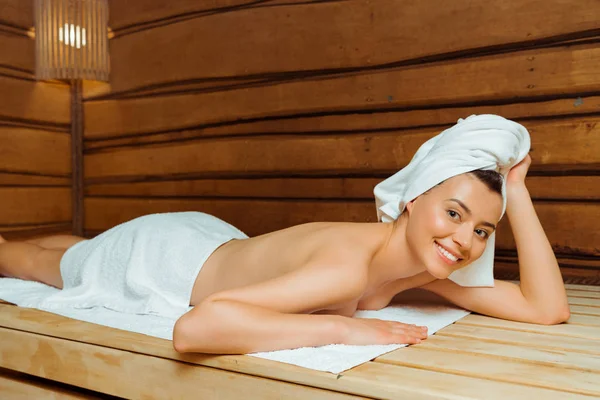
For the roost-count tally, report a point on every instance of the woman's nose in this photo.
(463, 237)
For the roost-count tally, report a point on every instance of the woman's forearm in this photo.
(230, 327)
(541, 280)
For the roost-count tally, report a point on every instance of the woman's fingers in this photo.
(398, 332)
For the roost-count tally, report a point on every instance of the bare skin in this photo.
(299, 286)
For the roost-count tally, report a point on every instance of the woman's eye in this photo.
(453, 214)
(481, 233)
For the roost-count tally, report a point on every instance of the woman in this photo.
(300, 286)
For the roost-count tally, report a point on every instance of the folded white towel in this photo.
(488, 142)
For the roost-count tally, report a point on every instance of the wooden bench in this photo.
(477, 357)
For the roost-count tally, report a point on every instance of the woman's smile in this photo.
(448, 257)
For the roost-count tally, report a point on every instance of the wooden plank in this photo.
(555, 143)
(582, 301)
(562, 226)
(103, 213)
(271, 215)
(587, 288)
(540, 187)
(334, 35)
(17, 52)
(585, 332)
(93, 367)
(279, 188)
(30, 228)
(490, 368)
(533, 355)
(17, 386)
(13, 179)
(141, 11)
(35, 101)
(585, 310)
(31, 206)
(355, 122)
(551, 343)
(35, 151)
(17, 12)
(583, 293)
(587, 320)
(370, 379)
(556, 72)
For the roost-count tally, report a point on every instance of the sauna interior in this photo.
(273, 113)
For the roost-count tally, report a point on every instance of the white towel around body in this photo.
(145, 267)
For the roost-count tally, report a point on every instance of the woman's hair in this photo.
(492, 179)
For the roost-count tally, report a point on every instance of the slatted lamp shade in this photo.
(71, 39)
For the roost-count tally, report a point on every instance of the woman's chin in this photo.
(438, 272)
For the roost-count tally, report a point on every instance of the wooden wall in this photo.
(274, 113)
(35, 153)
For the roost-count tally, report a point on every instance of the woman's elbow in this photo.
(189, 334)
(556, 317)
(182, 342)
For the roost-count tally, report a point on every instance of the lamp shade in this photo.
(71, 39)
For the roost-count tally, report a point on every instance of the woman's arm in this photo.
(541, 281)
(271, 315)
(541, 297)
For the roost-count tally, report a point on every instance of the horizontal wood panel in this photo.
(31, 206)
(562, 330)
(17, 51)
(357, 122)
(551, 343)
(34, 231)
(14, 179)
(329, 35)
(93, 367)
(540, 187)
(392, 381)
(35, 151)
(481, 366)
(133, 12)
(532, 354)
(546, 72)
(571, 227)
(554, 142)
(15, 386)
(17, 12)
(35, 101)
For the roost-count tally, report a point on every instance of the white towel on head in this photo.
(488, 142)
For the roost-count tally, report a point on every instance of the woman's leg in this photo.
(30, 261)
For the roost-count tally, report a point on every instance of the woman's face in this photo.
(448, 227)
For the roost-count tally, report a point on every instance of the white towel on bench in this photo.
(332, 358)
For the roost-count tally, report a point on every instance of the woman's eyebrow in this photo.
(468, 211)
(463, 205)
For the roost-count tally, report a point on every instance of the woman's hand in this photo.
(516, 175)
(365, 331)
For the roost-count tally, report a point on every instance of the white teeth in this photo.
(449, 256)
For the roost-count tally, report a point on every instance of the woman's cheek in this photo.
(439, 223)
